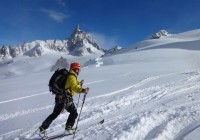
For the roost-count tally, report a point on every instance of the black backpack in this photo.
(57, 81)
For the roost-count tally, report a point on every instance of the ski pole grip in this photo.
(81, 83)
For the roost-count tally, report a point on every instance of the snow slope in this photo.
(185, 40)
(147, 94)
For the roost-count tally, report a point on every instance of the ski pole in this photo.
(79, 96)
(78, 100)
(79, 115)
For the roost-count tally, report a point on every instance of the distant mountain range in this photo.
(80, 43)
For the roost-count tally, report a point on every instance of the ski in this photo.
(58, 136)
(43, 137)
(65, 135)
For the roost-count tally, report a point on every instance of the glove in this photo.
(86, 90)
(81, 82)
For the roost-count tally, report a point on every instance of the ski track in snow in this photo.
(163, 122)
(10, 132)
(23, 112)
(25, 97)
(148, 110)
(142, 82)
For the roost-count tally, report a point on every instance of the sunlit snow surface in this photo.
(145, 94)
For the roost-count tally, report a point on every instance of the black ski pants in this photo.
(59, 106)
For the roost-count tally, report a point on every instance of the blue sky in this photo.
(110, 22)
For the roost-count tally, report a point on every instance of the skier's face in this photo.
(77, 71)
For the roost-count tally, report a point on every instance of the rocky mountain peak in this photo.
(60, 64)
(81, 43)
(112, 50)
(160, 34)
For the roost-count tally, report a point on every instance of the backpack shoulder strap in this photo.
(73, 75)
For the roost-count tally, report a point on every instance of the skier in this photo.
(65, 101)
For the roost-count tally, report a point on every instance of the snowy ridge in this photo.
(112, 50)
(160, 34)
(35, 48)
(80, 43)
(60, 64)
(186, 40)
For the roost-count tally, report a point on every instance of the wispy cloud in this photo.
(56, 16)
(105, 41)
(61, 2)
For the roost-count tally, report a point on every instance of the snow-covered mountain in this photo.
(181, 40)
(112, 50)
(61, 63)
(34, 48)
(149, 93)
(161, 33)
(80, 43)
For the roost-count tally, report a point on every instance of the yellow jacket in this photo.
(72, 85)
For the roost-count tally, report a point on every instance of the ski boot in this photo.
(69, 130)
(42, 132)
